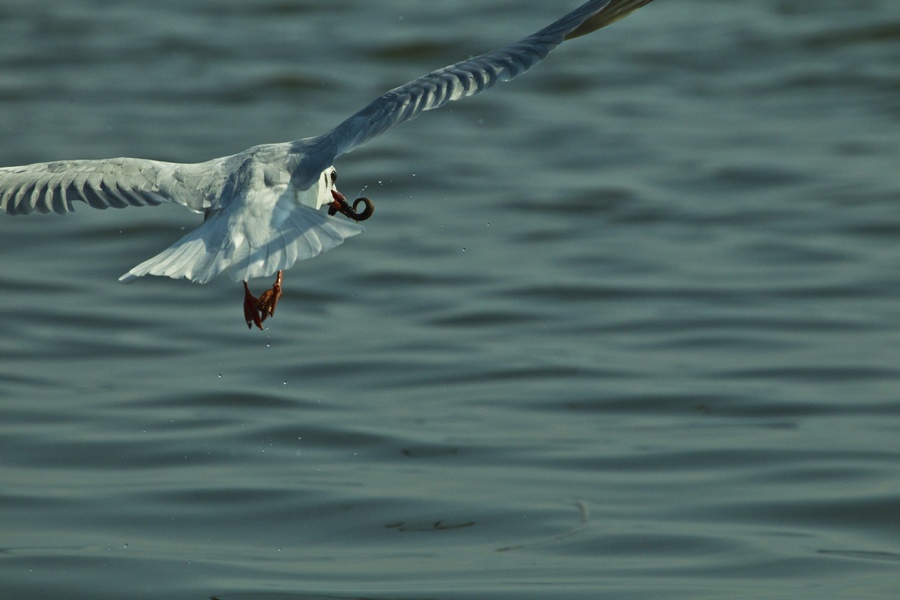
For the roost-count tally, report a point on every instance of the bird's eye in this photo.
(334, 177)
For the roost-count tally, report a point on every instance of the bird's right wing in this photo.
(465, 78)
(116, 183)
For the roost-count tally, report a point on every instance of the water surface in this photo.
(624, 328)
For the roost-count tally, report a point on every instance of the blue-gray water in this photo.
(625, 328)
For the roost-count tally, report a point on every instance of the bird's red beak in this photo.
(338, 197)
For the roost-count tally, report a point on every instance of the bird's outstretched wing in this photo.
(465, 78)
(109, 183)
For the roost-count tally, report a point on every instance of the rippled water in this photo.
(625, 328)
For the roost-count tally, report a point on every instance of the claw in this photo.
(340, 205)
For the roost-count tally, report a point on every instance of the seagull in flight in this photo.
(271, 205)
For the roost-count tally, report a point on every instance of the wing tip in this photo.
(609, 14)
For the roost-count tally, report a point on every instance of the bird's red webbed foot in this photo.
(257, 310)
(269, 298)
(250, 312)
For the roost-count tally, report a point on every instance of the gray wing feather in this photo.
(115, 183)
(465, 78)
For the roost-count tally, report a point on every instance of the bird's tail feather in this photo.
(216, 246)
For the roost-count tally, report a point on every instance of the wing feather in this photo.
(110, 183)
(456, 81)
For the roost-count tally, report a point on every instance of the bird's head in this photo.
(328, 194)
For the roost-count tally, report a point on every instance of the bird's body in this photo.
(263, 207)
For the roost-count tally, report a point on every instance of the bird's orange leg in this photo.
(265, 305)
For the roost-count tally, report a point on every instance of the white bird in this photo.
(262, 208)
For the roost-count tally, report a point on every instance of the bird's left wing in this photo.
(453, 82)
(110, 183)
